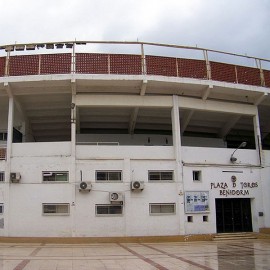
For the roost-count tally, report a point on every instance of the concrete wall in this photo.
(145, 139)
(126, 139)
(23, 201)
(135, 220)
(265, 176)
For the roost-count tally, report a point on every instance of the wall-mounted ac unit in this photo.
(116, 197)
(85, 186)
(15, 177)
(137, 185)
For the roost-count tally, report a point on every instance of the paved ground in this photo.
(229, 255)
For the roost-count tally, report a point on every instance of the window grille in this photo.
(160, 176)
(161, 208)
(55, 209)
(55, 176)
(108, 176)
(109, 209)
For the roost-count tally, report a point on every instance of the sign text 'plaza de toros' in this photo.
(241, 188)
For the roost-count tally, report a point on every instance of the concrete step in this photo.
(234, 236)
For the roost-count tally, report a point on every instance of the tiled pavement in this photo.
(245, 254)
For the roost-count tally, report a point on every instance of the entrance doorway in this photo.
(233, 215)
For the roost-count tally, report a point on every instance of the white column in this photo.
(72, 177)
(9, 137)
(8, 166)
(178, 162)
(176, 129)
(257, 135)
(128, 214)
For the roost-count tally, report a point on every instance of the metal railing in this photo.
(97, 143)
(71, 61)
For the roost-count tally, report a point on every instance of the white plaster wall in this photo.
(214, 174)
(205, 155)
(2, 165)
(25, 215)
(41, 149)
(143, 139)
(126, 139)
(266, 188)
(135, 220)
(26, 198)
(87, 152)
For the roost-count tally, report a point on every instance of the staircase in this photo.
(234, 236)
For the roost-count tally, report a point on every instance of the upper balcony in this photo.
(42, 83)
(202, 68)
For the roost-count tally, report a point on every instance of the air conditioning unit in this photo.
(15, 177)
(137, 185)
(85, 186)
(116, 197)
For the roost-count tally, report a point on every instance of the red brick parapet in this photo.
(128, 64)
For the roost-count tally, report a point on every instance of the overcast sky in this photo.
(240, 26)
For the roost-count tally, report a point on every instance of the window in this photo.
(55, 209)
(1, 208)
(2, 177)
(197, 175)
(160, 175)
(161, 209)
(55, 176)
(3, 136)
(108, 210)
(205, 218)
(102, 176)
(189, 218)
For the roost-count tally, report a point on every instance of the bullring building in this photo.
(130, 144)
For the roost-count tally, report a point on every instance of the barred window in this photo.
(3, 136)
(102, 176)
(55, 209)
(160, 176)
(109, 209)
(55, 176)
(162, 208)
(2, 176)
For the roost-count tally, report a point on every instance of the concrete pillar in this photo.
(257, 135)
(176, 129)
(9, 137)
(72, 174)
(8, 165)
(178, 162)
(127, 178)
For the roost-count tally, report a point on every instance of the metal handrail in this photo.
(135, 43)
(97, 143)
(144, 66)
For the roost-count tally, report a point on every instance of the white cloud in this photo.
(237, 26)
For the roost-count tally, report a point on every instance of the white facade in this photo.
(23, 209)
(25, 102)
